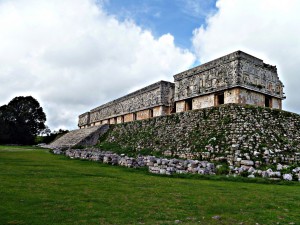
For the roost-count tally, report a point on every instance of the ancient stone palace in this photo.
(235, 78)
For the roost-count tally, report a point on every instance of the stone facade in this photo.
(151, 101)
(235, 78)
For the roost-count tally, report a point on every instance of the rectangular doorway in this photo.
(150, 113)
(188, 104)
(268, 101)
(220, 99)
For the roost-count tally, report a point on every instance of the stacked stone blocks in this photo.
(231, 133)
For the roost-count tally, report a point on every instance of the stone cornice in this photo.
(220, 61)
(134, 94)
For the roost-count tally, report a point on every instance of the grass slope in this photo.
(37, 187)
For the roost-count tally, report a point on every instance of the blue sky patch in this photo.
(177, 17)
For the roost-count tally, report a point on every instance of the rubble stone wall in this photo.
(229, 133)
(178, 166)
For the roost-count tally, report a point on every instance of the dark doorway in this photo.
(188, 104)
(173, 108)
(220, 99)
(268, 101)
(150, 113)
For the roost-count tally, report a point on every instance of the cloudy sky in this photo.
(74, 55)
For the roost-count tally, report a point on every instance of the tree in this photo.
(5, 125)
(21, 120)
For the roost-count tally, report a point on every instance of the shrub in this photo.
(222, 169)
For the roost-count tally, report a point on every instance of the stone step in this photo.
(81, 137)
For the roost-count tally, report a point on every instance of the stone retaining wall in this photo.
(230, 133)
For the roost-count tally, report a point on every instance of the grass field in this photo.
(37, 187)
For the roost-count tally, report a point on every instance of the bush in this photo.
(245, 174)
(222, 169)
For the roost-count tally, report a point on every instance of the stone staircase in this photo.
(81, 137)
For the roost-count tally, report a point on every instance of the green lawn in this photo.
(37, 187)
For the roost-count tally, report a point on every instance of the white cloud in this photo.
(72, 56)
(268, 29)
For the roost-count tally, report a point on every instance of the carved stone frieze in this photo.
(154, 95)
(261, 78)
(84, 119)
(233, 70)
(218, 77)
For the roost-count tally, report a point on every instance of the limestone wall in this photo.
(232, 96)
(84, 120)
(276, 104)
(251, 98)
(229, 132)
(180, 106)
(156, 95)
(203, 101)
(234, 70)
(236, 95)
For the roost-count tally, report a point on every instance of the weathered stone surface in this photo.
(247, 162)
(235, 69)
(172, 166)
(169, 167)
(288, 177)
(152, 97)
(85, 137)
(240, 135)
